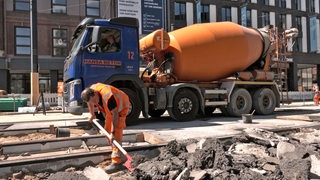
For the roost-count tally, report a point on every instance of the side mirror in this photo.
(92, 47)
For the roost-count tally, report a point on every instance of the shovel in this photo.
(114, 142)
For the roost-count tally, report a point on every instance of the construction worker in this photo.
(316, 97)
(114, 103)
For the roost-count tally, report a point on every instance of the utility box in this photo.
(12, 104)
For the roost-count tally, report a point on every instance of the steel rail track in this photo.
(47, 145)
(56, 161)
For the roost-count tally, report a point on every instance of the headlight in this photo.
(72, 87)
(73, 103)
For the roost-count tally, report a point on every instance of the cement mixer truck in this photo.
(189, 72)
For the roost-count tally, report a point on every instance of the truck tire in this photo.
(135, 107)
(264, 101)
(185, 106)
(240, 102)
(155, 112)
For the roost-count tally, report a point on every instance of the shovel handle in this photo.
(109, 136)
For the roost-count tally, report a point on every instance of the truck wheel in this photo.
(185, 106)
(264, 101)
(135, 107)
(155, 112)
(240, 103)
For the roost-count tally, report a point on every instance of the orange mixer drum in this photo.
(154, 41)
(211, 51)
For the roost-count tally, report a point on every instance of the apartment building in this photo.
(58, 18)
(56, 22)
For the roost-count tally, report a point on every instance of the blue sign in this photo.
(313, 34)
(244, 16)
(198, 5)
(152, 15)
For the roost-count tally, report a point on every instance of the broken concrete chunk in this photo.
(200, 143)
(251, 148)
(295, 168)
(260, 171)
(184, 175)
(191, 148)
(269, 167)
(307, 136)
(264, 135)
(200, 174)
(93, 173)
(283, 148)
(315, 166)
(18, 175)
(287, 150)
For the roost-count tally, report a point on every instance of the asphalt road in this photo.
(166, 129)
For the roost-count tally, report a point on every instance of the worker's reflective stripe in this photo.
(115, 154)
(119, 96)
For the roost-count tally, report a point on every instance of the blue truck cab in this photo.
(105, 51)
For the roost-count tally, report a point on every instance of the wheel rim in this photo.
(185, 105)
(266, 101)
(130, 108)
(240, 102)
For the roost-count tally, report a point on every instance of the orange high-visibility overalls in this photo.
(123, 103)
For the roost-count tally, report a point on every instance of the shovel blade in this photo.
(127, 164)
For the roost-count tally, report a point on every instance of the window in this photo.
(249, 18)
(109, 40)
(22, 5)
(59, 6)
(179, 11)
(265, 19)
(282, 21)
(22, 41)
(20, 83)
(311, 6)
(299, 38)
(226, 14)
(93, 8)
(246, 1)
(282, 3)
(59, 42)
(298, 4)
(205, 13)
(265, 2)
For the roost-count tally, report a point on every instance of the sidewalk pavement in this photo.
(55, 115)
(30, 117)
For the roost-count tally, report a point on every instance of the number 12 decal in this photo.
(130, 55)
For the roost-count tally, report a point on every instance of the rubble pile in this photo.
(258, 154)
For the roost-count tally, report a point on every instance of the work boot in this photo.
(113, 167)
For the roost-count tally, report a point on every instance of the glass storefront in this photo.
(20, 83)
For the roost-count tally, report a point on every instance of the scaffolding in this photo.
(280, 61)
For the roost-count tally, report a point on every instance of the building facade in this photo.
(58, 18)
(56, 21)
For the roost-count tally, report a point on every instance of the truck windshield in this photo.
(76, 44)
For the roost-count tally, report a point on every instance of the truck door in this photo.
(108, 56)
